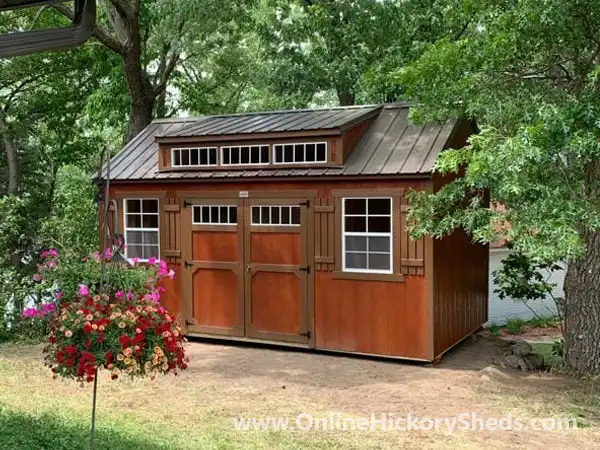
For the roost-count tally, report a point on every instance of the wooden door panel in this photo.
(276, 248)
(275, 303)
(214, 246)
(215, 298)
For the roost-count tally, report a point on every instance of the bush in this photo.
(494, 329)
(513, 326)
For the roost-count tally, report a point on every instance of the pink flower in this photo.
(134, 261)
(152, 261)
(59, 295)
(107, 253)
(119, 294)
(44, 254)
(46, 308)
(52, 252)
(171, 274)
(51, 264)
(83, 290)
(37, 278)
(29, 313)
(129, 296)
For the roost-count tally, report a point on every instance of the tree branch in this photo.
(97, 32)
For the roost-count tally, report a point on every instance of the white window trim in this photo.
(243, 164)
(302, 162)
(126, 228)
(254, 224)
(368, 234)
(213, 223)
(194, 165)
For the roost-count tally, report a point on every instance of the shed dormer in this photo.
(270, 140)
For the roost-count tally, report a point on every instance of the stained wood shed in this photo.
(289, 227)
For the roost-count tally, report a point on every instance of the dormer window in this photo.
(301, 153)
(194, 157)
(245, 155)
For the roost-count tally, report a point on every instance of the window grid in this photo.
(214, 215)
(194, 157)
(142, 234)
(245, 155)
(281, 216)
(370, 237)
(300, 153)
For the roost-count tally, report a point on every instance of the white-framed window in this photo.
(214, 215)
(194, 157)
(367, 235)
(141, 228)
(245, 155)
(276, 215)
(300, 153)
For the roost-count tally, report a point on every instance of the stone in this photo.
(521, 348)
(515, 362)
(535, 361)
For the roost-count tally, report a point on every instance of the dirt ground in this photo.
(227, 381)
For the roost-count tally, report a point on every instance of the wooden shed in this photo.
(289, 227)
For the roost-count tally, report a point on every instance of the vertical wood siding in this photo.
(324, 234)
(412, 251)
(171, 229)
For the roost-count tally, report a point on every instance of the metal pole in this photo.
(93, 430)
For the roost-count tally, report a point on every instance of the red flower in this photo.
(87, 328)
(100, 338)
(124, 340)
(108, 357)
(52, 340)
(69, 362)
(87, 343)
(70, 350)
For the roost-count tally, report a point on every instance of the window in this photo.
(141, 228)
(194, 157)
(214, 215)
(245, 155)
(313, 152)
(276, 215)
(367, 235)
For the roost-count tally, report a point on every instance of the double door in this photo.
(246, 268)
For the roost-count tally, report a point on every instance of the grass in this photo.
(543, 322)
(494, 329)
(514, 326)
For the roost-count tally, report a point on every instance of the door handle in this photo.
(248, 268)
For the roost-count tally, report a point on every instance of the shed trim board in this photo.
(259, 251)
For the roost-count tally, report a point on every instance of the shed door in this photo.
(276, 269)
(214, 266)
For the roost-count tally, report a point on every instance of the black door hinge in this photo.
(186, 204)
(305, 269)
(305, 203)
(306, 335)
(187, 264)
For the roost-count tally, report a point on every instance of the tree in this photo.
(529, 72)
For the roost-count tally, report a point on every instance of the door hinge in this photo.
(306, 335)
(187, 264)
(305, 203)
(186, 204)
(305, 269)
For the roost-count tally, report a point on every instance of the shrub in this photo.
(543, 322)
(513, 326)
(494, 329)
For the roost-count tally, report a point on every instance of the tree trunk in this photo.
(12, 160)
(141, 94)
(582, 307)
(345, 97)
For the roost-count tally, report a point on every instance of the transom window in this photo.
(214, 215)
(313, 152)
(276, 215)
(194, 157)
(245, 155)
(367, 235)
(141, 228)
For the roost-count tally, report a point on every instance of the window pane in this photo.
(285, 215)
(212, 155)
(133, 237)
(295, 215)
(150, 221)
(380, 206)
(265, 216)
(194, 157)
(379, 224)
(150, 206)
(233, 214)
(224, 214)
(197, 215)
(288, 154)
(185, 157)
(321, 153)
(356, 224)
(356, 243)
(278, 153)
(256, 215)
(133, 206)
(134, 251)
(245, 155)
(310, 152)
(264, 154)
(203, 157)
(379, 244)
(235, 155)
(356, 260)
(225, 155)
(176, 158)
(151, 237)
(299, 153)
(255, 155)
(379, 262)
(134, 221)
(214, 214)
(275, 216)
(150, 251)
(355, 206)
(205, 214)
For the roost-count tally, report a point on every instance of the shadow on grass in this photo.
(20, 431)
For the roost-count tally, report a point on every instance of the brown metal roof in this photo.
(392, 145)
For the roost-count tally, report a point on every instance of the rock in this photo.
(494, 372)
(534, 361)
(521, 348)
(516, 362)
(485, 378)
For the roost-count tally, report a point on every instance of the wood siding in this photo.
(460, 300)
